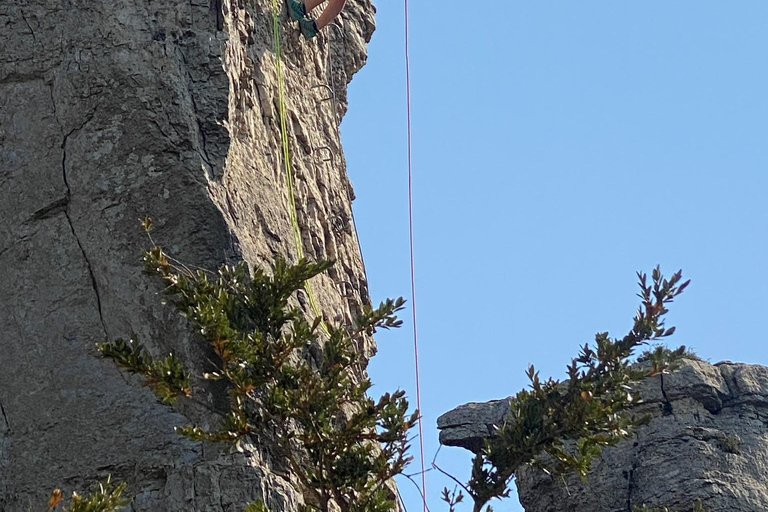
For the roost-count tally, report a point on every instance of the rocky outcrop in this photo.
(113, 111)
(707, 439)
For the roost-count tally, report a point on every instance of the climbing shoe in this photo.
(297, 9)
(308, 27)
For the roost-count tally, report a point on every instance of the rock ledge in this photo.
(707, 439)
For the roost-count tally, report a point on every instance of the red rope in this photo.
(413, 266)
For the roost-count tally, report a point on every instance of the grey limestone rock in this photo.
(469, 424)
(707, 439)
(111, 111)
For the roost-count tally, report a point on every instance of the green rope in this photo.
(287, 158)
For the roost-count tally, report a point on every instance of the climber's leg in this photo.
(310, 27)
(330, 12)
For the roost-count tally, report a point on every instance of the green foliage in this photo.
(258, 506)
(285, 378)
(303, 385)
(166, 376)
(658, 353)
(563, 426)
(103, 497)
(452, 498)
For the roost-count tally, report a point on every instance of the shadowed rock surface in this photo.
(707, 439)
(468, 425)
(113, 111)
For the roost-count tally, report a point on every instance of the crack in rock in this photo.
(667, 405)
(5, 418)
(203, 151)
(64, 206)
(630, 476)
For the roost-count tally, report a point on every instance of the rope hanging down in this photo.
(413, 266)
(294, 215)
(287, 159)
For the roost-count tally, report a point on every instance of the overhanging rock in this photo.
(468, 425)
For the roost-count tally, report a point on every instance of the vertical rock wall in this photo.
(111, 111)
(707, 439)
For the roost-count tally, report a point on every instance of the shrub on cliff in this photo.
(103, 497)
(563, 426)
(300, 383)
(303, 385)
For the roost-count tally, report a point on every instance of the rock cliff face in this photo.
(708, 440)
(113, 111)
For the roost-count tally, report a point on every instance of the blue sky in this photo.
(558, 148)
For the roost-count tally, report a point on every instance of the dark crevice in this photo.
(53, 104)
(90, 272)
(66, 206)
(5, 418)
(20, 78)
(667, 405)
(630, 476)
(730, 382)
(230, 208)
(203, 142)
(221, 492)
(24, 17)
(219, 13)
(194, 489)
(265, 225)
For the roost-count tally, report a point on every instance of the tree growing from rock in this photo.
(302, 384)
(103, 497)
(561, 426)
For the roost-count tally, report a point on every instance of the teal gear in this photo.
(297, 9)
(308, 27)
